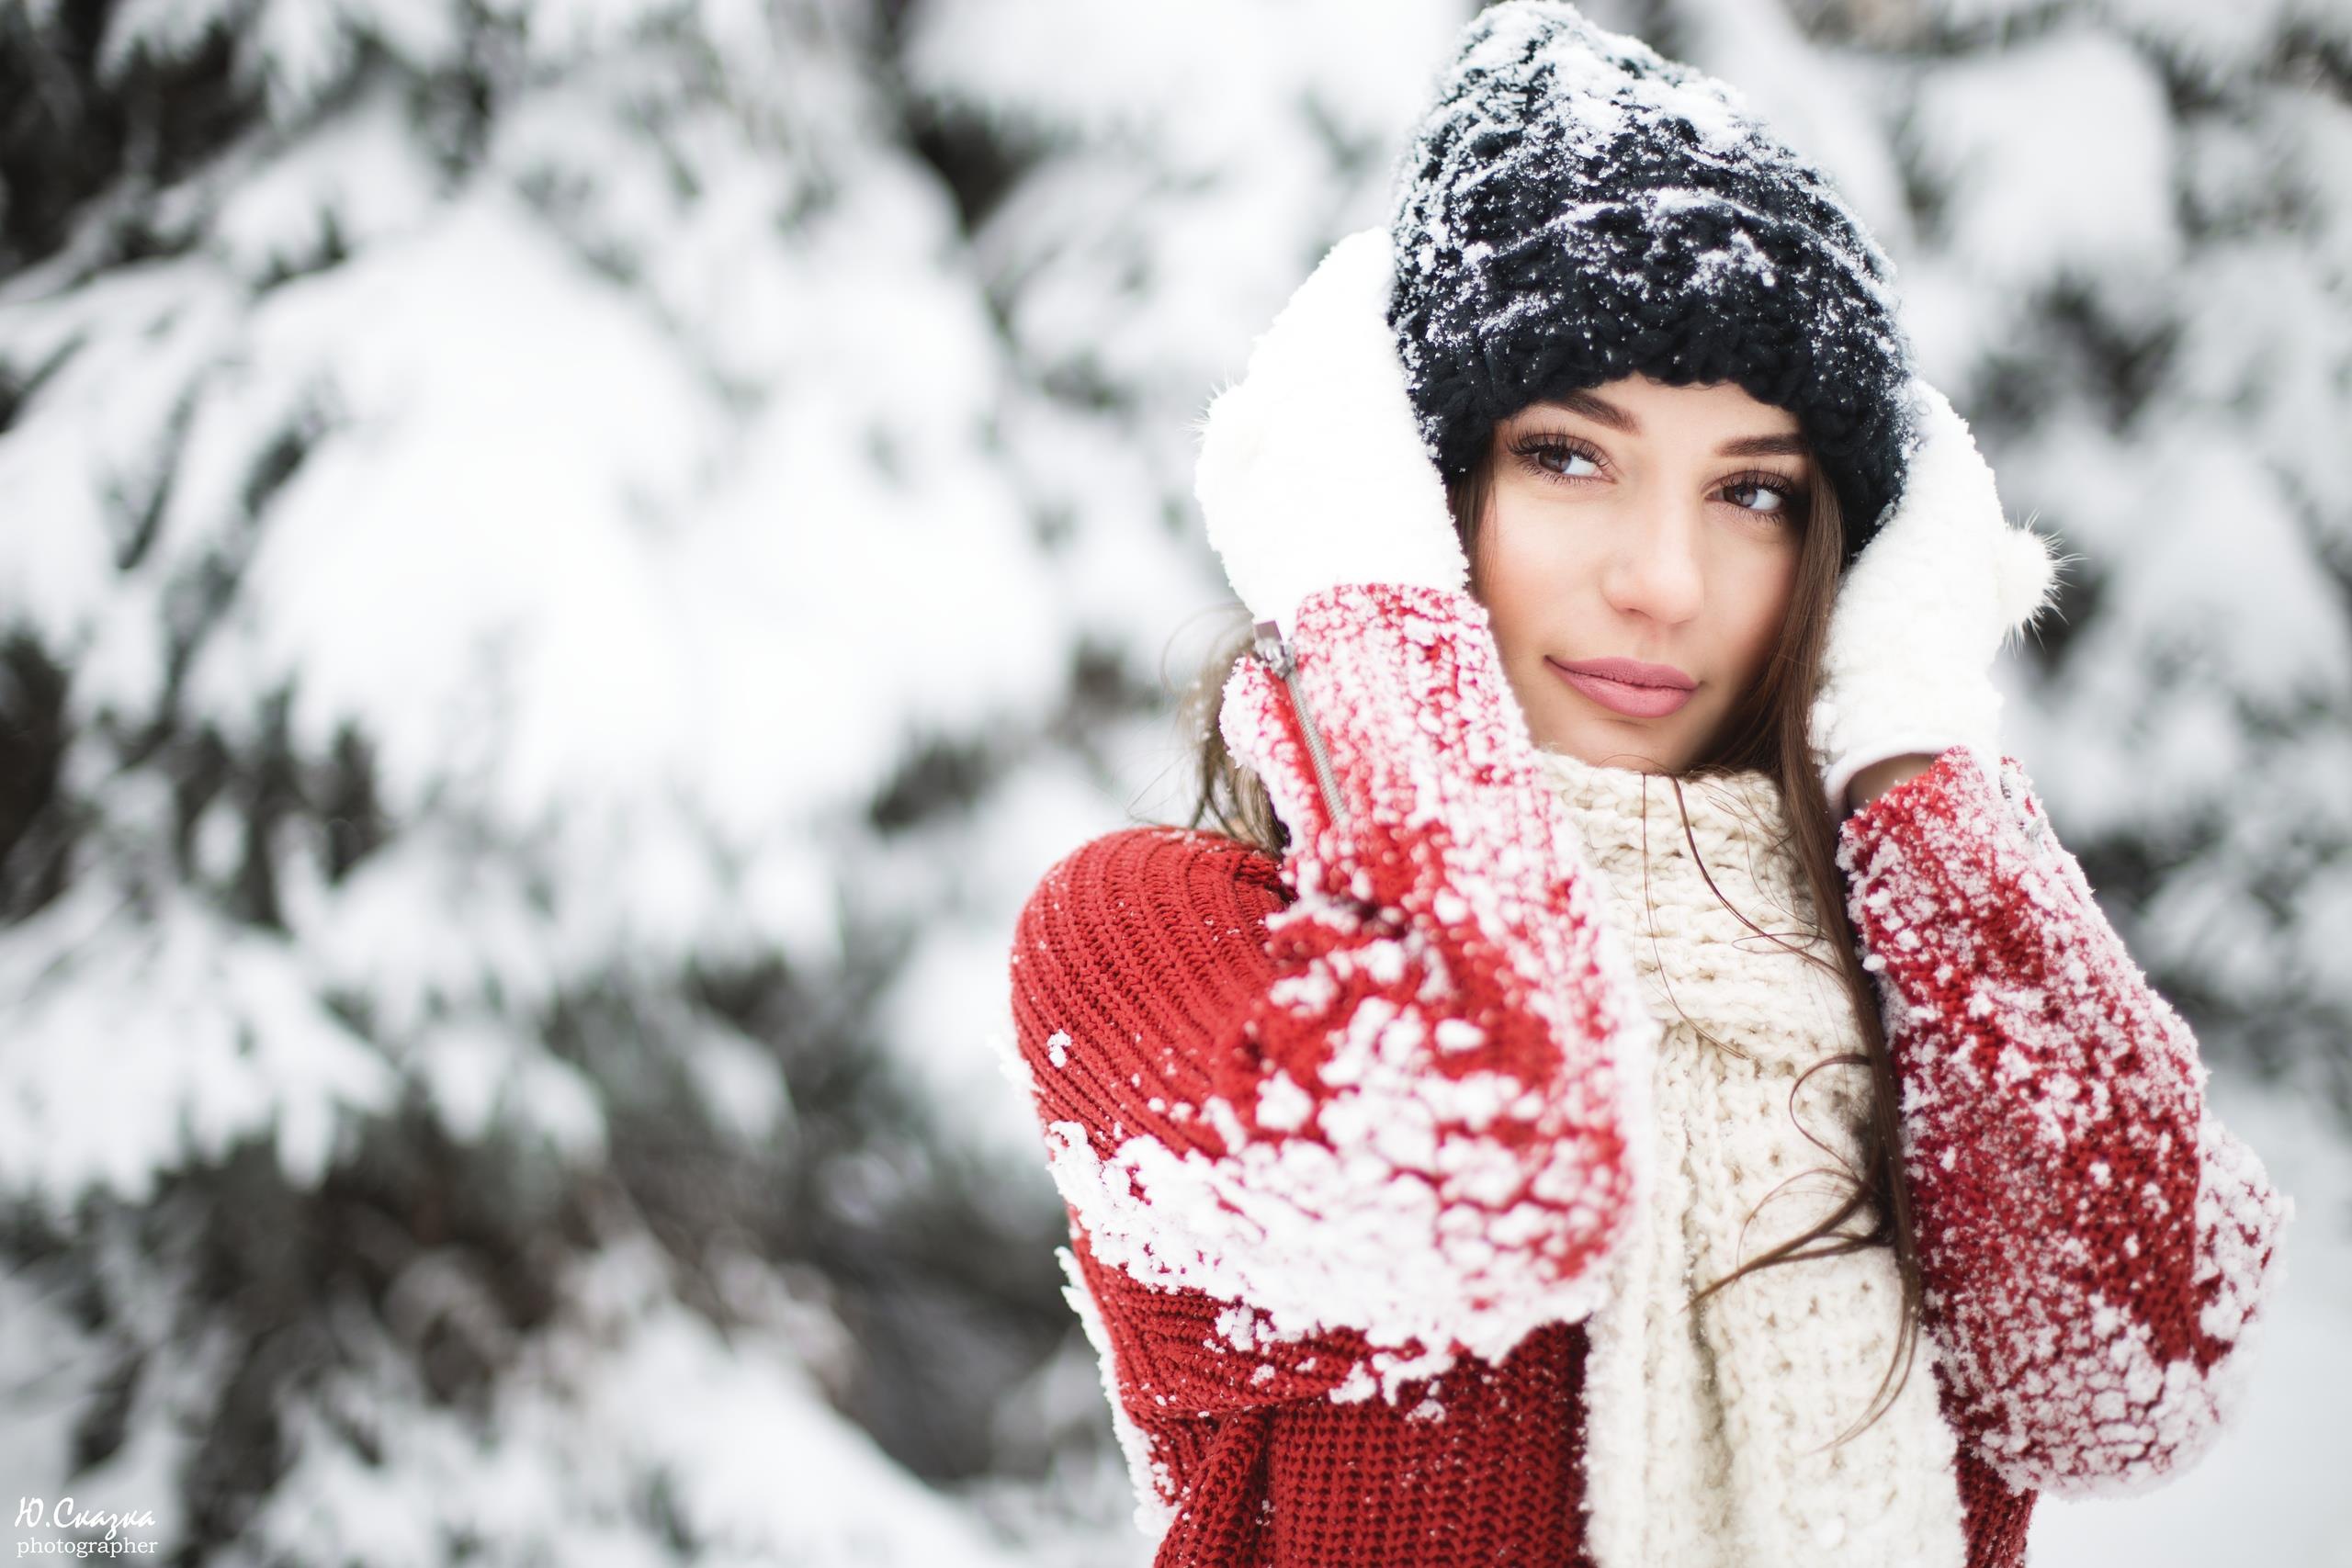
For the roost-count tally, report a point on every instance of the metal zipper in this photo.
(1277, 655)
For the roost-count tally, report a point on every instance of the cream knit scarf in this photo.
(1697, 1424)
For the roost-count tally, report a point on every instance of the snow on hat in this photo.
(1575, 207)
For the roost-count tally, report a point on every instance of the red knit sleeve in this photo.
(1168, 929)
(1370, 1092)
(2096, 1245)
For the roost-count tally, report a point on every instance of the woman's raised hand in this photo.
(1922, 612)
(1312, 472)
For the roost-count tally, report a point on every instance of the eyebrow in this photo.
(1601, 411)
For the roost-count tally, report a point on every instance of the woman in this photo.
(1540, 1127)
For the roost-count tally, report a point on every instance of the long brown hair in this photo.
(1768, 730)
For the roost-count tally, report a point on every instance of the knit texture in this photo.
(1709, 1429)
(1394, 1139)
(2096, 1242)
(1574, 207)
(1142, 953)
(1244, 1065)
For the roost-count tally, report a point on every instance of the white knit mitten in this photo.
(1312, 472)
(1923, 611)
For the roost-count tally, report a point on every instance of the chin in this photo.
(1618, 743)
(1567, 722)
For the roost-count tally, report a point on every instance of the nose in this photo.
(1655, 569)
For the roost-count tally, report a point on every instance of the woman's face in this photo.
(1643, 523)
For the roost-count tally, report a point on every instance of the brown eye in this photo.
(1742, 492)
(1555, 458)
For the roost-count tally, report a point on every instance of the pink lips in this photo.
(1628, 685)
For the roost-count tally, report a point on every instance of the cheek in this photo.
(1764, 598)
(1528, 574)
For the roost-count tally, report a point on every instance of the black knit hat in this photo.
(1575, 208)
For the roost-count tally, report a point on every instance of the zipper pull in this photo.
(1276, 653)
(1271, 648)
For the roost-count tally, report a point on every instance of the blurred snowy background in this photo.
(568, 562)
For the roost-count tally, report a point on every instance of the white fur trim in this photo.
(1312, 471)
(1924, 611)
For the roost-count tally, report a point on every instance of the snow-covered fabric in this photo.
(1708, 1428)
(1310, 474)
(1401, 1141)
(1238, 1101)
(1922, 613)
(1574, 207)
(2096, 1243)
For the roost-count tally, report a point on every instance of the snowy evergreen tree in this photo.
(569, 562)
(501, 522)
(2135, 223)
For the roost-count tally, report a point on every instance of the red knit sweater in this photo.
(1200, 1023)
